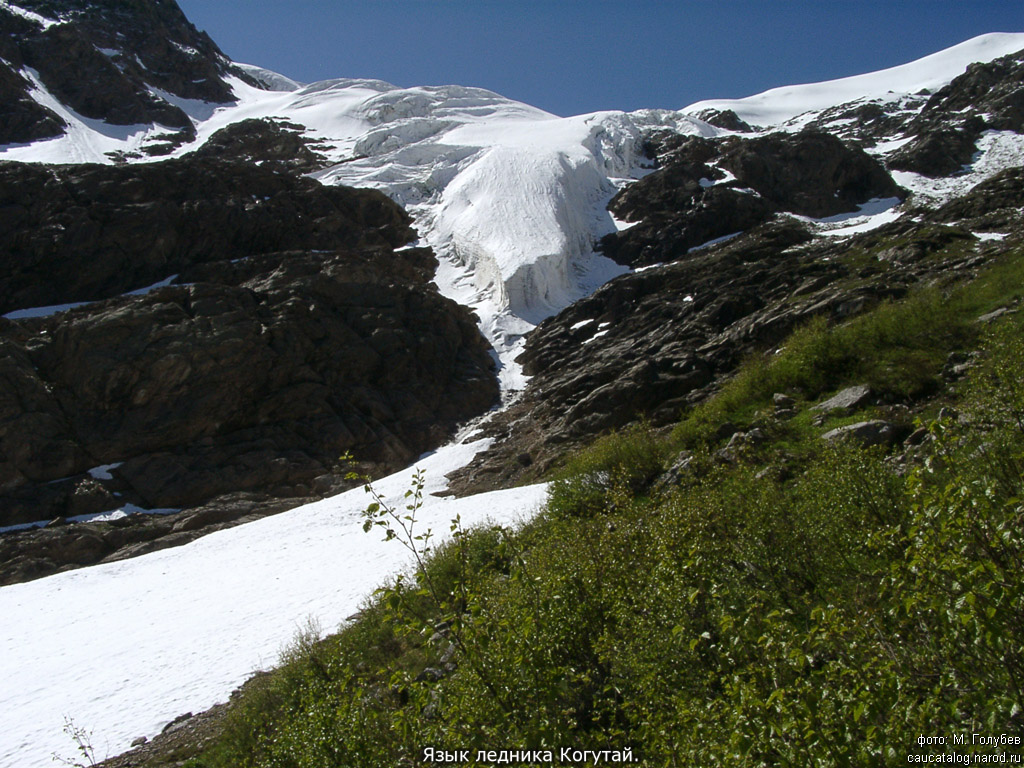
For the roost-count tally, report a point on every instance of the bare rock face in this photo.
(292, 333)
(994, 204)
(88, 232)
(988, 96)
(23, 118)
(656, 342)
(724, 118)
(264, 142)
(939, 151)
(708, 189)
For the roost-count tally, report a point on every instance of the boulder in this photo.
(867, 433)
(847, 400)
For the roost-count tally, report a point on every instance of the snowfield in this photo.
(123, 648)
(513, 200)
(779, 106)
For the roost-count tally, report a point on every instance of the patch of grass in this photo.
(898, 348)
(629, 460)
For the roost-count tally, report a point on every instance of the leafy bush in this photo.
(627, 460)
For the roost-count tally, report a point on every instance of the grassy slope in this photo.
(782, 603)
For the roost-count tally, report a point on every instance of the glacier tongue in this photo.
(511, 198)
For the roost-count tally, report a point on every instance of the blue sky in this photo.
(573, 56)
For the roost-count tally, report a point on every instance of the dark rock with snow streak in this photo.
(258, 381)
(125, 63)
(86, 232)
(654, 343)
(709, 189)
(988, 96)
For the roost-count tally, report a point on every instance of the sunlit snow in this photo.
(125, 647)
(779, 105)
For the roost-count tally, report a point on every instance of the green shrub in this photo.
(627, 460)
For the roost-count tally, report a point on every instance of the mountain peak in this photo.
(124, 63)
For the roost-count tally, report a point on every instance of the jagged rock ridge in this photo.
(124, 63)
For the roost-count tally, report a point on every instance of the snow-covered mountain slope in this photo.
(121, 649)
(117, 65)
(779, 106)
(511, 198)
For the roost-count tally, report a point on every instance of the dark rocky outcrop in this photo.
(103, 59)
(988, 96)
(691, 200)
(23, 119)
(38, 552)
(653, 343)
(278, 144)
(724, 118)
(864, 123)
(293, 332)
(809, 173)
(256, 378)
(994, 204)
(940, 151)
(88, 232)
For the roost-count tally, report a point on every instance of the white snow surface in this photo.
(779, 105)
(271, 80)
(125, 647)
(997, 151)
(52, 309)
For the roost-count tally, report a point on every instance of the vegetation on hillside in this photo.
(795, 602)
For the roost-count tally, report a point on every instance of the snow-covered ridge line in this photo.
(778, 105)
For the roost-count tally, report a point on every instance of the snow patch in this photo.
(124, 647)
(272, 81)
(35, 18)
(997, 151)
(197, 109)
(102, 472)
(98, 517)
(868, 216)
(30, 312)
(23, 314)
(779, 105)
(715, 241)
(161, 284)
